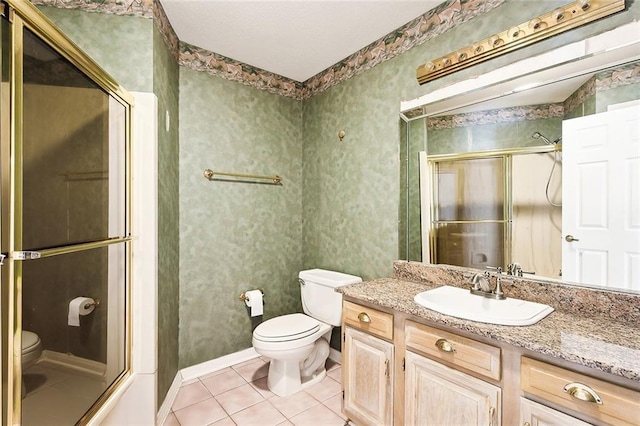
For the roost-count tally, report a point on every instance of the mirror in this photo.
(514, 111)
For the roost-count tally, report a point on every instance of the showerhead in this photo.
(538, 135)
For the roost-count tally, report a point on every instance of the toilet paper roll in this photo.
(254, 301)
(80, 306)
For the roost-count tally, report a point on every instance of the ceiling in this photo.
(292, 38)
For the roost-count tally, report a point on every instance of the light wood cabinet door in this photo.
(534, 414)
(367, 377)
(437, 395)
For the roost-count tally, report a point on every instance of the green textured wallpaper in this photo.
(235, 236)
(122, 45)
(165, 85)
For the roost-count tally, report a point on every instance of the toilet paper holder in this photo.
(243, 295)
(95, 303)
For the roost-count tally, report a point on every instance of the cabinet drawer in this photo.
(369, 320)
(620, 406)
(451, 348)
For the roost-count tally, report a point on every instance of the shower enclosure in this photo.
(65, 227)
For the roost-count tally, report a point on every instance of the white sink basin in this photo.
(460, 303)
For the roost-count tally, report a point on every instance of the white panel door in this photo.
(601, 199)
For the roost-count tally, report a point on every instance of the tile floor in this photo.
(58, 395)
(238, 395)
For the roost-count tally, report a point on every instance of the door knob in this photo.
(569, 238)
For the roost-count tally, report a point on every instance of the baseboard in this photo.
(335, 356)
(171, 395)
(71, 361)
(207, 367)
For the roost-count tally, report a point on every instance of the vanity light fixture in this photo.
(564, 18)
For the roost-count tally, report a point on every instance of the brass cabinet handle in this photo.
(444, 345)
(492, 414)
(386, 368)
(364, 317)
(582, 392)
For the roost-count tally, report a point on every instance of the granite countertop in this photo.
(597, 342)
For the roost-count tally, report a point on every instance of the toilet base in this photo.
(284, 377)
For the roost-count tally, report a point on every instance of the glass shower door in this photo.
(470, 217)
(66, 231)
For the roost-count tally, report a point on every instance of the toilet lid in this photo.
(29, 339)
(286, 327)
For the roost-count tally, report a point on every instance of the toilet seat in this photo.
(30, 341)
(286, 328)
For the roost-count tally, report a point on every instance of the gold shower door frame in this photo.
(17, 16)
(507, 211)
(506, 194)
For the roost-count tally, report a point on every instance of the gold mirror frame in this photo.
(546, 25)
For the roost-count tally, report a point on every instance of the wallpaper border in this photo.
(416, 32)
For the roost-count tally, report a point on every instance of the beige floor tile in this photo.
(293, 404)
(262, 387)
(189, 395)
(335, 404)
(247, 362)
(223, 382)
(325, 389)
(200, 414)
(224, 422)
(261, 414)
(239, 398)
(171, 420)
(253, 371)
(335, 374)
(318, 415)
(285, 423)
(215, 373)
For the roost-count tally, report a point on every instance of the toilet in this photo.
(31, 351)
(298, 344)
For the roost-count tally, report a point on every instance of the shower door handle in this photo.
(569, 238)
(25, 255)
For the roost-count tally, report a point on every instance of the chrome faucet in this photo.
(481, 284)
(515, 269)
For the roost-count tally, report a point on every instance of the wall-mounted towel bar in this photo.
(211, 175)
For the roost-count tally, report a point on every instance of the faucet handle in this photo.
(498, 291)
(498, 269)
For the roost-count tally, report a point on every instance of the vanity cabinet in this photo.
(367, 365)
(600, 400)
(436, 394)
(399, 369)
(534, 414)
(439, 395)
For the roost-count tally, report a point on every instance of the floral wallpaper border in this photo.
(143, 8)
(433, 23)
(606, 80)
(494, 116)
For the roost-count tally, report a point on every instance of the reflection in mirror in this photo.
(456, 132)
(74, 191)
(491, 208)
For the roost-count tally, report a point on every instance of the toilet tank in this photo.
(319, 298)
